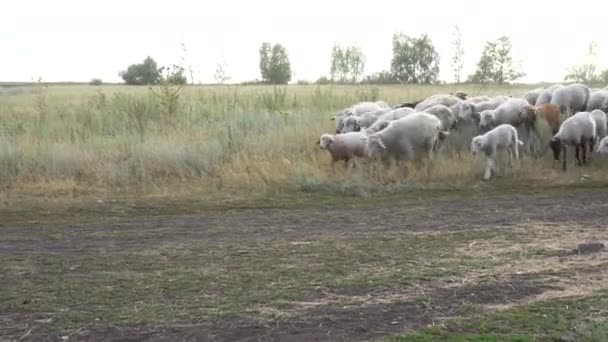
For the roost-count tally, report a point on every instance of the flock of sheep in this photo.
(575, 113)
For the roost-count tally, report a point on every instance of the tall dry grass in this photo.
(70, 141)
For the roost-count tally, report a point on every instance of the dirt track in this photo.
(584, 209)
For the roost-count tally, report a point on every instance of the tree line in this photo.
(414, 61)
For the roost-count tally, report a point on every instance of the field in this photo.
(216, 217)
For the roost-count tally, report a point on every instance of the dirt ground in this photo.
(527, 240)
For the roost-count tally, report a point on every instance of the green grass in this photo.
(74, 141)
(580, 319)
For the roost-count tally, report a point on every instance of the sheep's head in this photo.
(486, 120)
(373, 145)
(461, 95)
(350, 125)
(476, 145)
(325, 141)
(528, 115)
(602, 147)
(556, 147)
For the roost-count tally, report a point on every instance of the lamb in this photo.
(577, 131)
(572, 98)
(513, 112)
(492, 103)
(409, 138)
(598, 100)
(377, 126)
(444, 99)
(501, 137)
(602, 147)
(445, 114)
(356, 109)
(532, 95)
(396, 114)
(546, 95)
(601, 124)
(343, 146)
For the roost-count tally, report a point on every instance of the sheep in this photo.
(572, 98)
(444, 99)
(368, 119)
(546, 95)
(598, 100)
(492, 103)
(409, 138)
(601, 128)
(445, 114)
(356, 109)
(577, 131)
(460, 94)
(377, 126)
(501, 137)
(512, 112)
(343, 146)
(532, 95)
(349, 124)
(602, 147)
(396, 114)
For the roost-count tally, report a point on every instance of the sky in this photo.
(68, 40)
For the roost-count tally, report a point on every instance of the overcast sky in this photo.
(76, 40)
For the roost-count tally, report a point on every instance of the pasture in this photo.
(216, 217)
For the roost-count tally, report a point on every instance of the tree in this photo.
(173, 75)
(221, 74)
(585, 72)
(347, 64)
(275, 67)
(144, 73)
(458, 57)
(496, 64)
(415, 60)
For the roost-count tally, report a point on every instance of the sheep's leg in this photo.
(489, 164)
(584, 148)
(564, 161)
(509, 152)
(577, 154)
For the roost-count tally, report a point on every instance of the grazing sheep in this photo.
(350, 124)
(598, 100)
(577, 131)
(532, 96)
(445, 114)
(396, 114)
(444, 99)
(546, 95)
(601, 122)
(492, 103)
(602, 147)
(356, 109)
(478, 99)
(368, 119)
(572, 98)
(409, 138)
(512, 111)
(343, 146)
(377, 126)
(501, 137)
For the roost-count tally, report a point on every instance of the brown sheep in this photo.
(548, 112)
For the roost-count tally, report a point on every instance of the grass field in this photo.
(217, 218)
(76, 141)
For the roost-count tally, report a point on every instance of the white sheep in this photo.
(512, 112)
(601, 124)
(572, 98)
(356, 110)
(443, 99)
(445, 114)
(343, 146)
(396, 114)
(546, 95)
(577, 131)
(377, 126)
(602, 147)
(532, 95)
(409, 138)
(598, 100)
(492, 103)
(502, 137)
